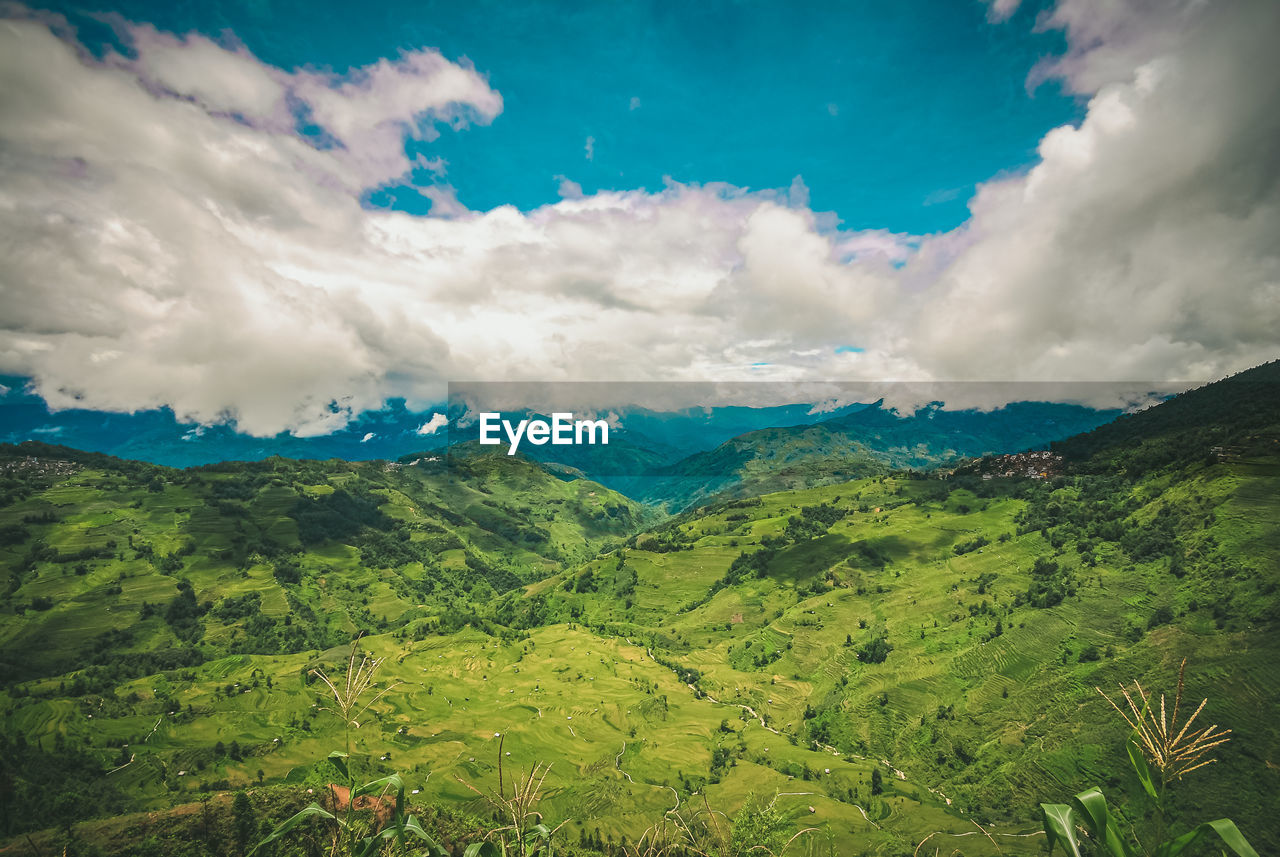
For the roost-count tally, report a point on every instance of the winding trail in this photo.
(865, 816)
(153, 729)
(617, 763)
(125, 765)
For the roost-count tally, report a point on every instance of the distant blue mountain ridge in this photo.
(692, 451)
(393, 432)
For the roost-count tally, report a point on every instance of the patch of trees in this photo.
(752, 656)
(1154, 539)
(1162, 616)
(391, 549)
(875, 650)
(584, 582)
(287, 571)
(624, 579)
(1184, 429)
(1050, 584)
(338, 516)
(663, 542)
(970, 546)
(748, 565)
(183, 613)
(236, 607)
(14, 534)
(507, 523)
(522, 613)
(500, 579)
(55, 787)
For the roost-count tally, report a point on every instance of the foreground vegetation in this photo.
(897, 657)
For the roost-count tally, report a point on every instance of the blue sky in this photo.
(853, 97)
(278, 216)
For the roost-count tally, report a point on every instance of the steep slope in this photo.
(1239, 415)
(215, 559)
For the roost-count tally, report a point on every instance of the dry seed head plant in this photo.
(707, 833)
(1172, 749)
(519, 809)
(348, 692)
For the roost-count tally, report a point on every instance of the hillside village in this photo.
(32, 466)
(1036, 464)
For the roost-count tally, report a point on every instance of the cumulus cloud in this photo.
(433, 425)
(191, 239)
(1142, 243)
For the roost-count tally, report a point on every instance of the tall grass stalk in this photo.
(1174, 750)
(524, 831)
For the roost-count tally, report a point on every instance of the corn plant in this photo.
(349, 703)
(391, 827)
(523, 832)
(756, 831)
(351, 834)
(1173, 749)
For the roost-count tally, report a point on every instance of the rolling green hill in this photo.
(865, 442)
(215, 558)
(899, 658)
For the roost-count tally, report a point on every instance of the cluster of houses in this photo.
(1040, 464)
(32, 466)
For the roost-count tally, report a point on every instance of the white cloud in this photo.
(1001, 9)
(590, 148)
(1142, 243)
(569, 189)
(444, 201)
(433, 425)
(635, 103)
(368, 437)
(171, 239)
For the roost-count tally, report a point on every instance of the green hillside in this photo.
(214, 560)
(898, 658)
(866, 442)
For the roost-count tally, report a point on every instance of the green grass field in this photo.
(633, 668)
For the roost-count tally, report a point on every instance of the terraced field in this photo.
(657, 674)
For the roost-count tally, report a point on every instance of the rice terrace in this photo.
(858, 667)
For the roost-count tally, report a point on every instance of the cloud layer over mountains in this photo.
(183, 225)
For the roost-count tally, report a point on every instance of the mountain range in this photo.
(887, 658)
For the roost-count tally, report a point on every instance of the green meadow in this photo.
(900, 659)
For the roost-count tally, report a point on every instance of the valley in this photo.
(901, 658)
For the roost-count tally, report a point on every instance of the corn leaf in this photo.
(1093, 806)
(1226, 830)
(339, 760)
(379, 786)
(481, 849)
(312, 811)
(1059, 826)
(435, 849)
